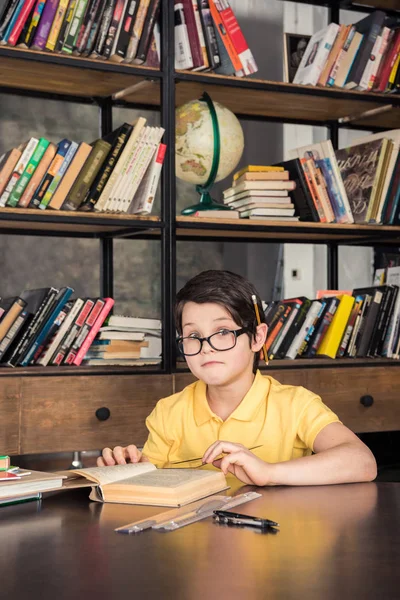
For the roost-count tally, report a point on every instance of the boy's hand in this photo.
(119, 456)
(238, 460)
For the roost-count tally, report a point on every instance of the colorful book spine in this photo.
(46, 20)
(104, 27)
(137, 30)
(147, 33)
(63, 297)
(109, 303)
(56, 25)
(235, 33)
(90, 321)
(23, 181)
(6, 18)
(8, 167)
(62, 150)
(333, 190)
(13, 22)
(48, 352)
(69, 42)
(115, 27)
(61, 351)
(214, 58)
(225, 38)
(65, 25)
(58, 176)
(20, 23)
(126, 31)
(19, 169)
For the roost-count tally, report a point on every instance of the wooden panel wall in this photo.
(57, 414)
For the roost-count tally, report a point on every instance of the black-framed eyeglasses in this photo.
(222, 340)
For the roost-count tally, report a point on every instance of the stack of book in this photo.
(129, 341)
(119, 30)
(46, 327)
(119, 173)
(260, 192)
(208, 37)
(363, 56)
(356, 184)
(364, 322)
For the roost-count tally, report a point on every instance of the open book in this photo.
(143, 483)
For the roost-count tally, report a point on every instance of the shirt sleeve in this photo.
(157, 446)
(315, 416)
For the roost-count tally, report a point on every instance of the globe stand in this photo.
(206, 202)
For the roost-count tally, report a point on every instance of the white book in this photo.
(140, 168)
(118, 170)
(19, 169)
(370, 66)
(147, 189)
(139, 323)
(275, 195)
(315, 56)
(268, 212)
(183, 53)
(392, 278)
(116, 191)
(394, 135)
(69, 319)
(270, 202)
(132, 336)
(275, 219)
(154, 348)
(308, 321)
(259, 185)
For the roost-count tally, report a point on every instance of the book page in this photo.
(170, 478)
(104, 475)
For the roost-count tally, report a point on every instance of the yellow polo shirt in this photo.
(283, 420)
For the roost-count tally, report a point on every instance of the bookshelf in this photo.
(56, 409)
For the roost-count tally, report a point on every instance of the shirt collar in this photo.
(246, 409)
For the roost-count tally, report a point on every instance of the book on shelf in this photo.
(362, 56)
(119, 173)
(364, 322)
(120, 30)
(143, 483)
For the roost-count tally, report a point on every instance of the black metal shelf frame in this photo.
(168, 80)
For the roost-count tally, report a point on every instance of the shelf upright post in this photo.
(168, 185)
(332, 248)
(106, 243)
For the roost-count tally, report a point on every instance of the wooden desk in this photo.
(336, 542)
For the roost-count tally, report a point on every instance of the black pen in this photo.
(239, 519)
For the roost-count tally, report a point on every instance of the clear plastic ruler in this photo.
(175, 519)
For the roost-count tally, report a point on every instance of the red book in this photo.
(190, 19)
(80, 338)
(239, 41)
(109, 303)
(389, 61)
(20, 22)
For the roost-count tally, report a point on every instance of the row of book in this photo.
(119, 30)
(208, 37)
(126, 341)
(46, 327)
(364, 56)
(364, 322)
(119, 173)
(356, 184)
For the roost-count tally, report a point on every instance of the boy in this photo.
(232, 408)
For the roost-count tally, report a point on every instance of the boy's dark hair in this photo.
(231, 291)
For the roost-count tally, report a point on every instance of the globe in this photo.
(195, 142)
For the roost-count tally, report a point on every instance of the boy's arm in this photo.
(340, 457)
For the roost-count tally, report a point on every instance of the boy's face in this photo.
(212, 366)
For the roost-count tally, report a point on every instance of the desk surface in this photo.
(335, 542)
